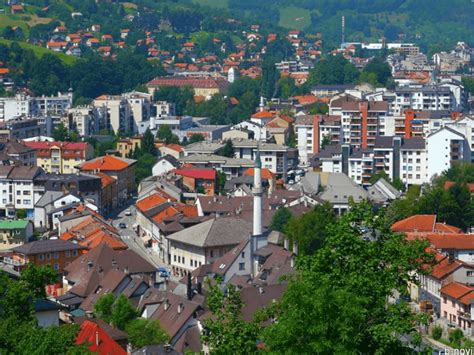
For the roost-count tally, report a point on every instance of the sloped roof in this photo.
(419, 222)
(204, 174)
(459, 291)
(97, 340)
(107, 163)
(46, 246)
(214, 232)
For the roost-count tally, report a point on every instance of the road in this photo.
(129, 236)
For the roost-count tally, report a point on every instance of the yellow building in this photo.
(127, 145)
(61, 157)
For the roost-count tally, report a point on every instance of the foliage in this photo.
(144, 166)
(376, 73)
(196, 138)
(142, 332)
(455, 336)
(19, 332)
(333, 70)
(337, 303)
(148, 142)
(228, 150)
(60, 133)
(325, 141)
(310, 230)
(270, 78)
(226, 332)
(103, 307)
(280, 220)
(165, 134)
(180, 96)
(221, 180)
(468, 83)
(21, 214)
(122, 312)
(437, 332)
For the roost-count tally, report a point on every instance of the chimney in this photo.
(125, 270)
(97, 343)
(166, 304)
(180, 308)
(286, 243)
(451, 257)
(295, 248)
(260, 290)
(89, 265)
(89, 314)
(292, 262)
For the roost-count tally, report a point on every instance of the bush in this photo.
(437, 332)
(455, 337)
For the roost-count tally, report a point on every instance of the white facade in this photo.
(162, 167)
(426, 98)
(305, 142)
(444, 147)
(259, 132)
(414, 166)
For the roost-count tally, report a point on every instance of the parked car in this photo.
(163, 272)
(128, 213)
(122, 225)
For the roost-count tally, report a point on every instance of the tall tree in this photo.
(122, 312)
(142, 332)
(148, 142)
(228, 150)
(280, 219)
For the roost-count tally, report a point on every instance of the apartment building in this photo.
(140, 108)
(61, 157)
(119, 113)
(420, 97)
(87, 120)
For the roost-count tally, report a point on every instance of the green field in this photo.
(40, 51)
(294, 18)
(221, 4)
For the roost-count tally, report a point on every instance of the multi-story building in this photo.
(61, 157)
(13, 152)
(164, 109)
(121, 169)
(128, 145)
(423, 98)
(87, 120)
(22, 128)
(140, 107)
(119, 113)
(17, 189)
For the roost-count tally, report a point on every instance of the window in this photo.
(445, 314)
(56, 255)
(74, 253)
(243, 254)
(469, 273)
(68, 253)
(444, 300)
(56, 266)
(48, 256)
(184, 260)
(211, 253)
(241, 266)
(18, 202)
(40, 257)
(27, 193)
(174, 258)
(453, 304)
(191, 262)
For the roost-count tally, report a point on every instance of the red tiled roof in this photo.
(97, 340)
(444, 266)
(446, 228)
(105, 179)
(204, 174)
(106, 163)
(263, 114)
(150, 202)
(186, 210)
(197, 83)
(168, 212)
(455, 241)
(4, 71)
(459, 291)
(175, 147)
(266, 174)
(63, 145)
(448, 184)
(419, 222)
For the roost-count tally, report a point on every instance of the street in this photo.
(128, 234)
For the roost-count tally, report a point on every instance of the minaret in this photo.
(257, 196)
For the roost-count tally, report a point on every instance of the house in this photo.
(53, 252)
(14, 233)
(97, 340)
(423, 223)
(47, 208)
(126, 146)
(164, 165)
(199, 180)
(47, 312)
(457, 305)
(17, 9)
(121, 169)
(60, 157)
(202, 86)
(175, 150)
(109, 193)
(17, 152)
(205, 242)
(83, 276)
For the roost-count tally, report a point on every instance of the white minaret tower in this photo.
(257, 196)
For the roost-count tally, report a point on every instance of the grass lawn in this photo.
(292, 17)
(222, 4)
(40, 51)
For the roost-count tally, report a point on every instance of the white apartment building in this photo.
(423, 98)
(444, 147)
(414, 161)
(260, 132)
(119, 114)
(140, 106)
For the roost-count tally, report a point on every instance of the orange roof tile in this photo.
(168, 212)
(106, 180)
(150, 202)
(459, 291)
(419, 222)
(445, 241)
(446, 228)
(4, 71)
(266, 174)
(263, 114)
(186, 210)
(106, 163)
(448, 184)
(175, 147)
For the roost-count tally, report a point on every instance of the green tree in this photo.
(122, 312)
(21, 214)
(103, 307)
(148, 142)
(333, 70)
(326, 141)
(280, 219)
(270, 78)
(196, 138)
(60, 133)
(377, 72)
(226, 332)
(468, 83)
(144, 165)
(221, 180)
(228, 150)
(337, 303)
(166, 135)
(142, 332)
(310, 230)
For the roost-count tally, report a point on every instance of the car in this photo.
(122, 225)
(128, 213)
(163, 272)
